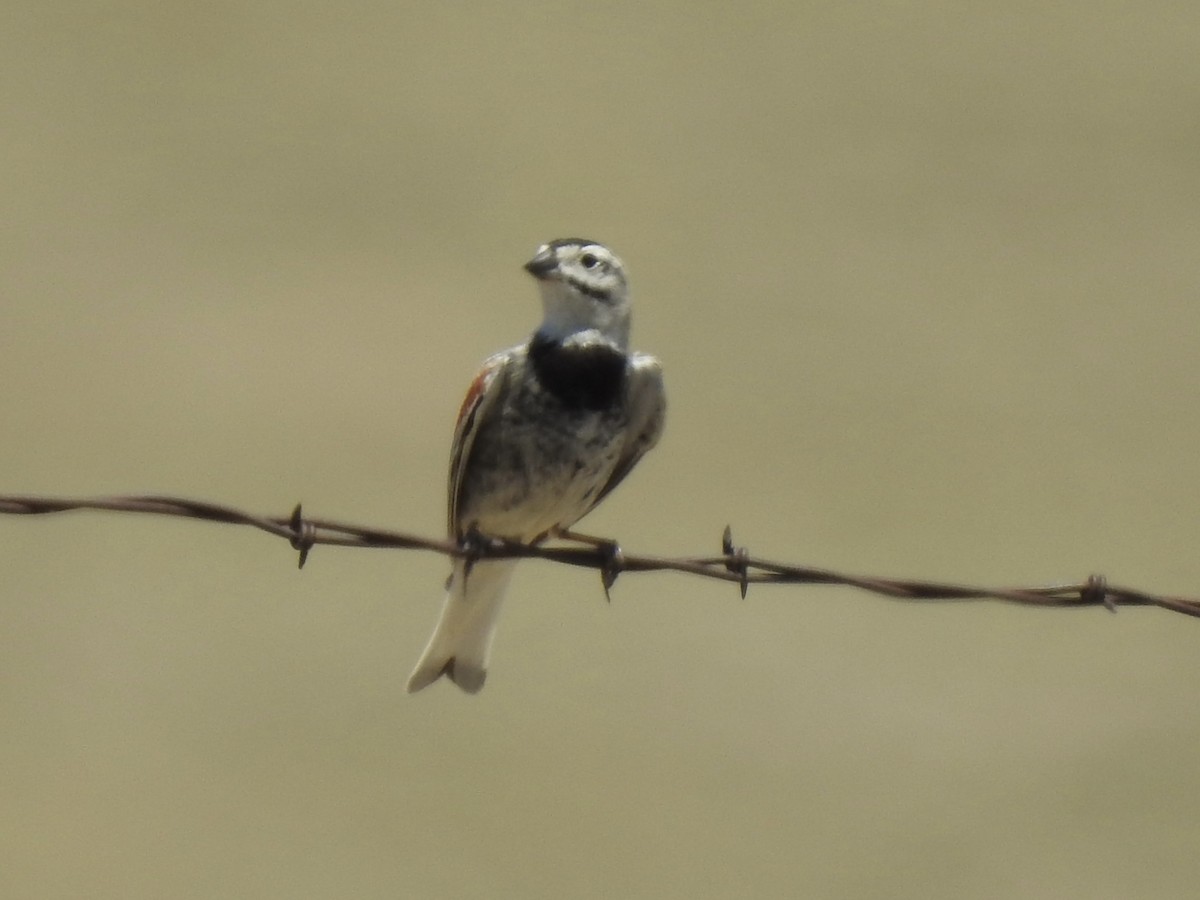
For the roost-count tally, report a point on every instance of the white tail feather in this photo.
(462, 641)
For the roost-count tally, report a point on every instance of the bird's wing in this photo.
(481, 398)
(647, 411)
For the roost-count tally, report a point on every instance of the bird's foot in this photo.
(612, 557)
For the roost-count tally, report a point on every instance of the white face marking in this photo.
(583, 291)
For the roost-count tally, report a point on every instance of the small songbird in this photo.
(547, 429)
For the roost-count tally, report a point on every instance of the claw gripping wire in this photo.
(613, 565)
(474, 547)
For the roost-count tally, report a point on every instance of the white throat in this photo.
(569, 314)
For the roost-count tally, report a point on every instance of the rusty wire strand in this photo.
(734, 564)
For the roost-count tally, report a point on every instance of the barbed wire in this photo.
(732, 564)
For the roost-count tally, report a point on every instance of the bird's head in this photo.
(583, 290)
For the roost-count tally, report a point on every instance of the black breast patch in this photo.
(589, 376)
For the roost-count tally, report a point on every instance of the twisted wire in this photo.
(733, 564)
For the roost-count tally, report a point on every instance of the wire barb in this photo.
(1095, 592)
(304, 535)
(737, 560)
(735, 564)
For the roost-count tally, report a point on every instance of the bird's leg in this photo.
(612, 557)
(566, 534)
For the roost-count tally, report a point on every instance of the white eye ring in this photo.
(589, 260)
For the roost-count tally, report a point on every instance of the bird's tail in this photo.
(462, 641)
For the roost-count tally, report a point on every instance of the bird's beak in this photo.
(543, 263)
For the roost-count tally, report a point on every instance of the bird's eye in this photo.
(589, 260)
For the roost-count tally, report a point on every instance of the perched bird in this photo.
(547, 429)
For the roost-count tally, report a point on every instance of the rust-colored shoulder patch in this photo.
(473, 405)
(475, 391)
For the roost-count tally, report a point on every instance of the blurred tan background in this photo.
(924, 280)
